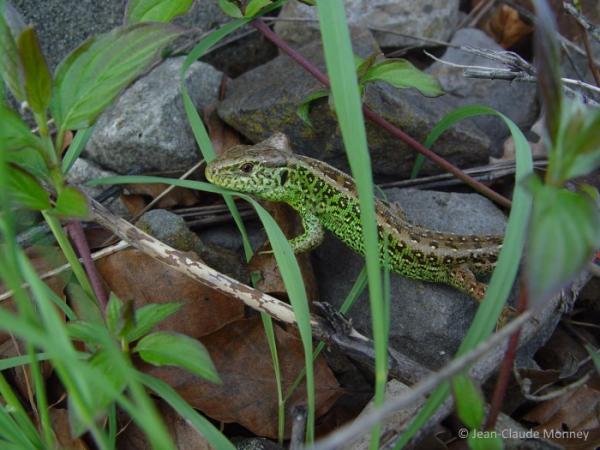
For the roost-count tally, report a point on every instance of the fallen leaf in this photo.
(248, 394)
(139, 195)
(62, 430)
(184, 435)
(264, 266)
(135, 276)
(221, 135)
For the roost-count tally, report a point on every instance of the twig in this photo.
(374, 117)
(506, 366)
(555, 393)
(506, 74)
(594, 30)
(401, 366)
(121, 245)
(348, 433)
(160, 196)
(79, 240)
(298, 427)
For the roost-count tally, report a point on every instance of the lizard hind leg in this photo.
(463, 279)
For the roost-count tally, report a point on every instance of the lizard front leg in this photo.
(311, 237)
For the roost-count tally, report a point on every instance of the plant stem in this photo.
(506, 367)
(77, 235)
(376, 118)
(69, 253)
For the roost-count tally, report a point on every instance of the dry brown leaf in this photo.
(248, 394)
(574, 410)
(221, 135)
(43, 259)
(184, 435)
(264, 265)
(506, 27)
(135, 276)
(62, 431)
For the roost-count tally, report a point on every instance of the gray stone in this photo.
(146, 128)
(427, 320)
(83, 171)
(173, 231)
(516, 100)
(64, 24)
(265, 100)
(425, 18)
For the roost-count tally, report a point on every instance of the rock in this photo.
(427, 320)
(516, 100)
(255, 444)
(265, 100)
(64, 25)
(147, 128)
(173, 231)
(430, 18)
(83, 171)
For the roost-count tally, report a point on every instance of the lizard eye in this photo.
(246, 167)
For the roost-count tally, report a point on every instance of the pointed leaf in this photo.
(303, 110)
(255, 6)
(231, 9)
(76, 147)
(402, 74)
(147, 317)
(469, 401)
(11, 71)
(113, 312)
(26, 190)
(174, 349)
(38, 81)
(564, 231)
(71, 203)
(485, 442)
(92, 76)
(156, 10)
(363, 65)
(14, 132)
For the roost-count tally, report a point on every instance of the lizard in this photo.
(326, 198)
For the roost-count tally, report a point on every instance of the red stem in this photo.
(506, 367)
(79, 240)
(376, 118)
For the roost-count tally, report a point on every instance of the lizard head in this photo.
(261, 170)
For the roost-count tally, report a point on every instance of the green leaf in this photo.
(147, 317)
(38, 81)
(231, 9)
(363, 65)
(70, 203)
(255, 6)
(27, 191)
(174, 349)
(303, 110)
(156, 10)
(113, 313)
(595, 356)
(487, 442)
(90, 78)
(76, 147)
(10, 65)
(84, 331)
(547, 64)
(14, 132)
(469, 402)
(564, 231)
(402, 74)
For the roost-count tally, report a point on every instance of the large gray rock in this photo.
(427, 320)
(516, 100)
(265, 100)
(425, 18)
(146, 128)
(62, 25)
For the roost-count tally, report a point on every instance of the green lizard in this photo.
(325, 197)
